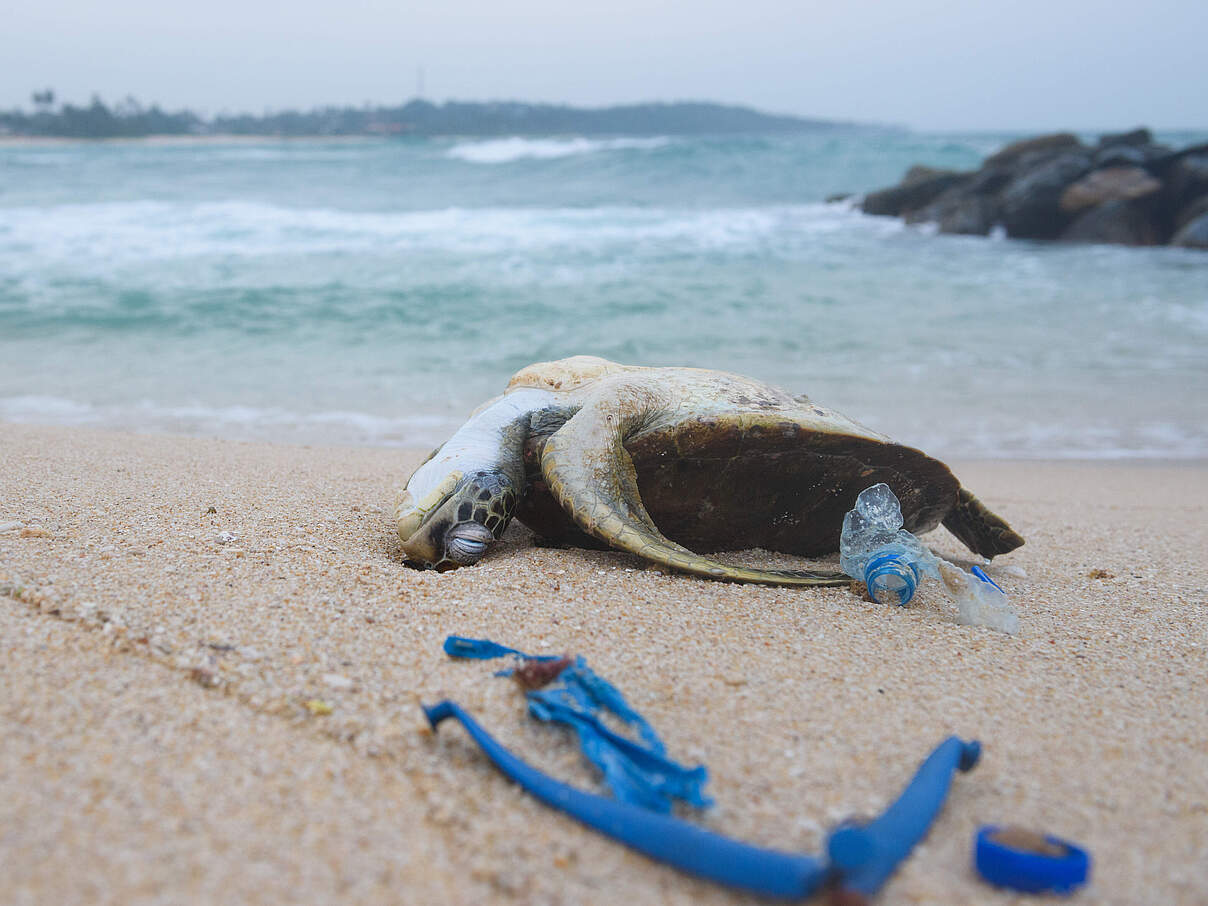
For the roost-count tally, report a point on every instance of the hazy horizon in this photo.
(925, 64)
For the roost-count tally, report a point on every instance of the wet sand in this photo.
(189, 720)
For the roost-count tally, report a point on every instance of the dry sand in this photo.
(157, 744)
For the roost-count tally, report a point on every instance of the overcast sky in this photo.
(999, 64)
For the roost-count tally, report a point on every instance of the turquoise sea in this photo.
(374, 291)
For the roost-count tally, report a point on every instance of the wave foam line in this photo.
(507, 150)
(237, 422)
(101, 235)
(1161, 440)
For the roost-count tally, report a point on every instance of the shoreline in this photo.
(423, 449)
(161, 744)
(24, 141)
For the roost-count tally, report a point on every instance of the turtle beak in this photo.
(467, 542)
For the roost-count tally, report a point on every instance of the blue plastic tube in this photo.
(866, 855)
(862, 858)
(677, 843)
(485, 650)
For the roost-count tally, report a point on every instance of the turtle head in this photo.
(455, 523)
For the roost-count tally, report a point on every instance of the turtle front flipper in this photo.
(591, 475)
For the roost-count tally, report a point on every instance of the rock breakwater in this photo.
(1126, 189)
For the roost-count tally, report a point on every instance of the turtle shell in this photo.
(737, 481)
(725, 483)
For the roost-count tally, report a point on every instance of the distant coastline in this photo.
(130, 119)
(167, 141)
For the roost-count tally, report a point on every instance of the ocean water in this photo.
(375, 291)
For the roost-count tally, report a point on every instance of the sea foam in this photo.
(507, 150)
(111, 233)
(235, 421)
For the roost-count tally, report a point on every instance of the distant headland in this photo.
(130, 119)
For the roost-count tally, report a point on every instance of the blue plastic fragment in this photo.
(639, 773)
(1029, 871)
(862, 858)
(866, 855)
(585, 690)
(485, 650)
(661, 837)
(635, 774)
(981, 574)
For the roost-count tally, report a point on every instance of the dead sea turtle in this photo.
(668, 462)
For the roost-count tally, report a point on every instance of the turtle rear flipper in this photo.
(980, 530)
(591, 475)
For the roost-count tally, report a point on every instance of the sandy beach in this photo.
(189, 720)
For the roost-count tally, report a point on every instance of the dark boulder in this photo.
(1164, 165)
(1118, 222)
(1187, 178)
(1141, 136)
(1031, 201)
(960, 211)
(922, 173)
(1151, 157)
(970, 208)
(1110, 184)
(1119, 156)
(988, 181)
(1191, 212)
(970, 215)
(1058, 141)
(1193, 235)
(1124, 189)
(909, 195)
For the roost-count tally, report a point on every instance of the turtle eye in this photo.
(467, 542)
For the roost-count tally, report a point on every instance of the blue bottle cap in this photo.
(1029, 862)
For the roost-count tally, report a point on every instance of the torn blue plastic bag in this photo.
(636, 772)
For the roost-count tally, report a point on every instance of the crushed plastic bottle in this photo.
(876, 550)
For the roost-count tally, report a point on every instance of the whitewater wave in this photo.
(238, 422)
(95, 237)
(1010, 439)
(506, 150)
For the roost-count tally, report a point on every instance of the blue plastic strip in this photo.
(485, 650)
(635, 774)
(586, 691)
(661, 837)
(867, 855)
(981, 574)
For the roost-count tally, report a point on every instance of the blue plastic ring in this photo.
(892, 564)
(1027, 870)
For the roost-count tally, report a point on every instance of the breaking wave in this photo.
(241, 422)
(108, 233)
(506, 150)
(1007, 438)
